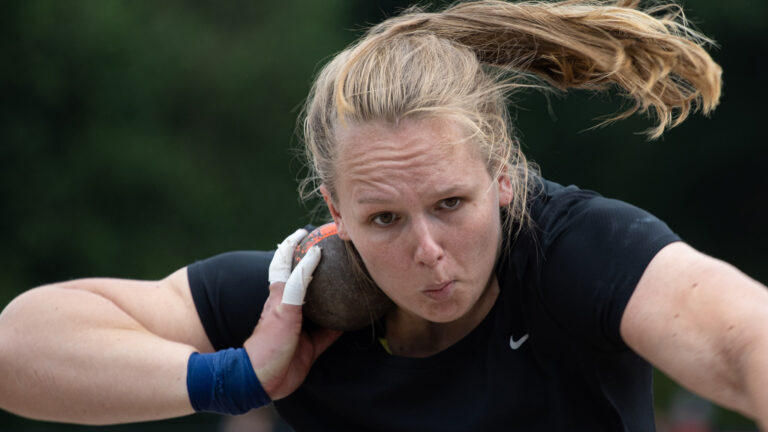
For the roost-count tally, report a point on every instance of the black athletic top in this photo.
(548, 357)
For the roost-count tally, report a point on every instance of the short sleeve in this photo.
(229, 291)
(595, 250)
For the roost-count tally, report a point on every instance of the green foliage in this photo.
(137, 136)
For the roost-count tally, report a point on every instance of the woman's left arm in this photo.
(705, 324)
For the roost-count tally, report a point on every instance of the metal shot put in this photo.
(455, 288)
(340, 296)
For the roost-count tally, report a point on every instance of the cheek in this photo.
(480, 244)
(388, 267)
(477, 244)
(371, 252)
(381, 260)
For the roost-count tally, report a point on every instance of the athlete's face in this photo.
(421, 208)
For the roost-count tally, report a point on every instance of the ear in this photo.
(505, 190)
(335, 214)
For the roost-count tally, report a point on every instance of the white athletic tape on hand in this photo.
(280, 266)
(297, 283)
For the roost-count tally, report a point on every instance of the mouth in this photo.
(439, 291)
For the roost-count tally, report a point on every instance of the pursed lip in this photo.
(439, 291)
(437, 286)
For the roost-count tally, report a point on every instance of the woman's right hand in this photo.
(281, 352)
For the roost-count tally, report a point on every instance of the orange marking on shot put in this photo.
(316, 236)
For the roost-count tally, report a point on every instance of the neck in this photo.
(411, 336)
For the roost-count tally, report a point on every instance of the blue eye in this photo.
(450, 203)
(384, 219)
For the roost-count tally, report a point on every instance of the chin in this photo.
(444, 314)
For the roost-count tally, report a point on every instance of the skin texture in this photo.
(105, 351)
(101, 351)
(281, 352)
(280, 349)
(423, 211)
(703, 322)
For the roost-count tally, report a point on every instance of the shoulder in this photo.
(230, 265)
(229, 291)
(570, 219)
(586, 256)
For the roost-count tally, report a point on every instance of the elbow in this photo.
(750, 364)
(14, 348)
(743, 353)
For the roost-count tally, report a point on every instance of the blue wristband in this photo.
(224, 382)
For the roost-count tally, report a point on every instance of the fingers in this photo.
(280, 267)
(296, 285)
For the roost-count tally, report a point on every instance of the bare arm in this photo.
(704, 323)
(100, 351)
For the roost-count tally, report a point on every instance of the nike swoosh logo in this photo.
(515, 344)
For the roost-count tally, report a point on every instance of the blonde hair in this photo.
(464, 61)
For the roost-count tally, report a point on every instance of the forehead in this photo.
(414, 154)
(410, 139)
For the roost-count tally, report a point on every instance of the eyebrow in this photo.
(447, 192)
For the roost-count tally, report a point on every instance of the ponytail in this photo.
(463, 61)
(652, 57)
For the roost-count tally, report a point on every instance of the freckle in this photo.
(730, 327)
(677, 315)
(695, 284)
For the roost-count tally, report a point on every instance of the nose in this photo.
(428, 250)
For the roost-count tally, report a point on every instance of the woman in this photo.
(520, 303)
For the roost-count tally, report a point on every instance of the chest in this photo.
(506, 373)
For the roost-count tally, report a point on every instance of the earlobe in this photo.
(342, 231)
(505, 191)
(334, 213)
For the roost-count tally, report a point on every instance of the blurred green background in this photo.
(139, 136)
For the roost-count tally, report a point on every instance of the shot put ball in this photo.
(340, 296)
